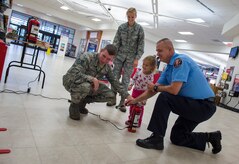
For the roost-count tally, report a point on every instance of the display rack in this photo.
(4, 5)
(71, 50)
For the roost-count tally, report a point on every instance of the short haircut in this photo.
(166, 41)
(132, 10)
(111, 49)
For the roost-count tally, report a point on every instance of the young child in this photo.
(140, 81)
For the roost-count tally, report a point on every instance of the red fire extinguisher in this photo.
(134, 118)
(32, 29)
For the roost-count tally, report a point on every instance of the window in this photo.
(18, 19)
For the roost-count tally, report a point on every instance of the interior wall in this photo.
(232, 62)
(108, 35)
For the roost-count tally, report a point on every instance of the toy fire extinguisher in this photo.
(32, 29)
(134, 118)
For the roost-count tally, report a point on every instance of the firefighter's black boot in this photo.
(74, 112)
(214, 138)
(152, 142)
(82, 108)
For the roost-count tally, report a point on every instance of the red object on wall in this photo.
(32, 30)
(3, 51)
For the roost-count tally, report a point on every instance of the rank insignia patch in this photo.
(177, 63)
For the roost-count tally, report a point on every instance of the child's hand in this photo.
(130, 87)
(144, 102)
(130, 101)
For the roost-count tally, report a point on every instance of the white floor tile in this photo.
(41, 132)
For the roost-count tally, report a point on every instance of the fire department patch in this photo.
(177, 63)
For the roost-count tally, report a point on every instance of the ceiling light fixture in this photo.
(96, 19)
(64, 7)
(186, 33)
(197, 20)
(180, 41)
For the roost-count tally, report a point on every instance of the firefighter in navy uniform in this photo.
(185, 92)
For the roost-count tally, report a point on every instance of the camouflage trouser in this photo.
(128, 70)
(84, 91)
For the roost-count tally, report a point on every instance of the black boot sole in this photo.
(109, 104)
(143, 144)
(74, 118)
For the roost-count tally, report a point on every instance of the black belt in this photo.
(210, 99)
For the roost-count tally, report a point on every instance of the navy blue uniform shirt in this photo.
(182, 68)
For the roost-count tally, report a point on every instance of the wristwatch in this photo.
(155, 88)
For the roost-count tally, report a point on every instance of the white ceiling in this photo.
(165, 18)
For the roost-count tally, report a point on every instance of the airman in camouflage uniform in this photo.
(129, 41)
(82, 81)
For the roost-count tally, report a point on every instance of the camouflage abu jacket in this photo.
(86, 67)
(129, 42)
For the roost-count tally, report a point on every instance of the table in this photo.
(33, 65)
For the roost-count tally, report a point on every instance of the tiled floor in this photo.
(40, 131)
